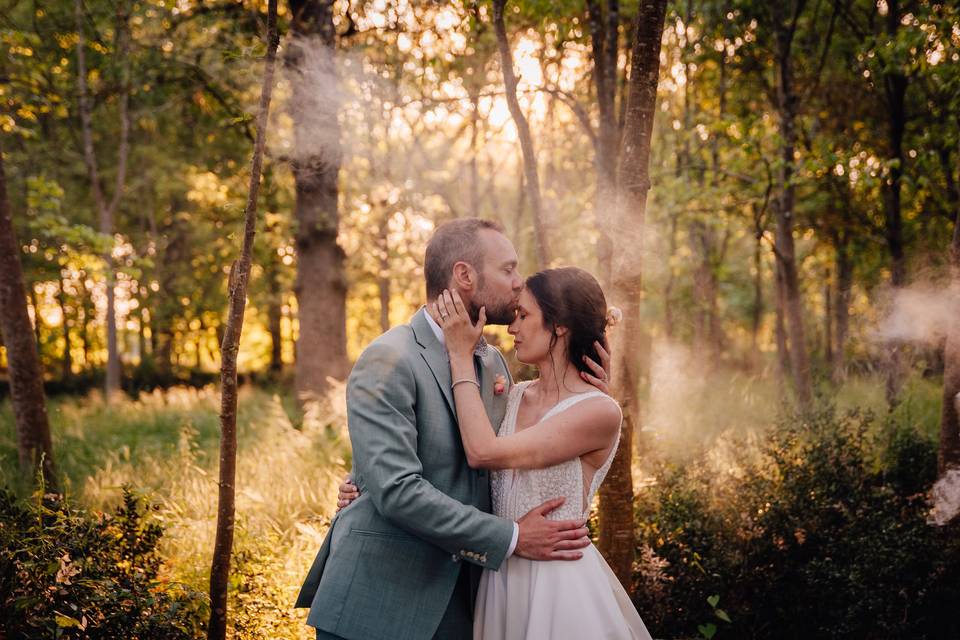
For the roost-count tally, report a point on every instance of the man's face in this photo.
(499, 283)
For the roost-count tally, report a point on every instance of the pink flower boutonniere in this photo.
(499, 384)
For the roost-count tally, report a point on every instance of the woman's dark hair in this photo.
(572, 298)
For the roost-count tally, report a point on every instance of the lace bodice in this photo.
(515, 492)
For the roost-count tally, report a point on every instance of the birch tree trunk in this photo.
(34, 445)
(237, 287)
(633, 180)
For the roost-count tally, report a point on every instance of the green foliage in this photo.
(68, 573)
(805, 537)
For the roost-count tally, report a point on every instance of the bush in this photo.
(808, 536)
(66, 573)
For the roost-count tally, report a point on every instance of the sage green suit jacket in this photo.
(390, 561)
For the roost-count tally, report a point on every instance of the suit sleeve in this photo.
(381, 399)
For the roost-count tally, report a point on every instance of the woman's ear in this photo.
(560, 331)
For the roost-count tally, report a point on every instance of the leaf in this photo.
(707, 630)
(65, 621)
(723, 615)
(713, 600)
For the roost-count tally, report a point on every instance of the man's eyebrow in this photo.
(510, 263)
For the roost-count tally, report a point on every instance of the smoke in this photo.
(921, 314)
(945, 496)
(314, 93)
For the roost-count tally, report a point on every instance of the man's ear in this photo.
(464, 276)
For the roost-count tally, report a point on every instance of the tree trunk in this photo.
(604, 40)
(526, 140)
(616, 495)
(895, 89)
(37, 319)
(757, 310)
(34, 445)
(320, 285)
(841, 309)
(949, 452)
(783, 349)
(66, 372)
(828, 320)
(671, 278)
(274, 314)
(237, 287)
(383, 271)
(785, 250)
(142, 324)
(86, 313)
(106, 209)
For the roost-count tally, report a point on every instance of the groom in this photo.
(404, 560)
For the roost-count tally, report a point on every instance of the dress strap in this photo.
(566, 403)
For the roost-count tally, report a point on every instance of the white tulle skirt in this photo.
(527, 600)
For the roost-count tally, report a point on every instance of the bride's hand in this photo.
(460, 333)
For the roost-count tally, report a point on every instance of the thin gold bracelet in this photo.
(462, 380)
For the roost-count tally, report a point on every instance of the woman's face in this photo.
(530, 338)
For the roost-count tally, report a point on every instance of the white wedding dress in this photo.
(533, 600)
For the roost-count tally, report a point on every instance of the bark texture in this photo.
(786, 106)
(603, 20)
(616, 494)
(320, 285)
(237, 287)
(34, 446)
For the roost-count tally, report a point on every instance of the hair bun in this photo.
(614, 316)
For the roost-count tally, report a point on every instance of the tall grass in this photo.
(165, 445)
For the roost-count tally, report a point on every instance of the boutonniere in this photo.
(499, 384)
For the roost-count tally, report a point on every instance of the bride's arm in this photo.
(588, 426)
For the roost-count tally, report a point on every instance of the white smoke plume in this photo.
(921, 314)
(945, 496)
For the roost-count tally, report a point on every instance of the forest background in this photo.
(789, 361)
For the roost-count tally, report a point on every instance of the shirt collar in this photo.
(437, 331)
(479, 350)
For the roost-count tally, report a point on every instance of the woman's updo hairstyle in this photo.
(572, 298)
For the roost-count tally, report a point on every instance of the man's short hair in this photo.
(453, 242)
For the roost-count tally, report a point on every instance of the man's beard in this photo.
(502, 313)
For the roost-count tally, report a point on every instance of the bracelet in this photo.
(462, 380)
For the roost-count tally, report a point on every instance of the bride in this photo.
(558, 438)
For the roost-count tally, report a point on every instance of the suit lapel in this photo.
(486, 377)
(435, 355)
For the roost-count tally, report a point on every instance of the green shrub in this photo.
(67, 573)
(805, 537)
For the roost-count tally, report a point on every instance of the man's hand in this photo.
(601, 372)
(542, 539)
(347, 494)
